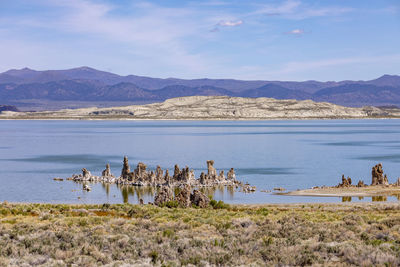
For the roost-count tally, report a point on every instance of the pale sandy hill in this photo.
(212, 107)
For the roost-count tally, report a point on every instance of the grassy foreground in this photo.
(116, 235)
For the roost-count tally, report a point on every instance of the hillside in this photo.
(8, 108)
(18, 87)
(359, 94)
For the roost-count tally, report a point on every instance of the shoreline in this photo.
(369, 191)
(238, 205)
(191, 119)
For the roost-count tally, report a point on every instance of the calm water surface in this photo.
(267, 154)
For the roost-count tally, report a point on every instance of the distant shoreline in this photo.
(367, 191)
(239, 205)
(191, 119)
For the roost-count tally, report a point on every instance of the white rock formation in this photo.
(212, 107)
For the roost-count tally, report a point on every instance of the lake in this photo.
(267, 154)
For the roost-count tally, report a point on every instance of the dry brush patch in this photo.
(222, 235)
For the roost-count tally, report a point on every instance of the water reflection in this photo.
(148, 192)
(220, 190)
(140, 192)
(106, 188)
(346, 199)
(136, 194)
(379, 198)
(373, 199)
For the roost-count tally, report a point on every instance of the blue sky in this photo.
(267, 40)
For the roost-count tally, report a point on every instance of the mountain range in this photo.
(90, 85)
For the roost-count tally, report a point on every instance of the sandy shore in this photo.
(368, 191)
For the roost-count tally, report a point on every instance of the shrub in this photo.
(219, 205)
(268, 241)
(83, 222)
(263, 211)
(105, 206)
(171, 204)
(154, 256)
(194, 260)
(168, 233)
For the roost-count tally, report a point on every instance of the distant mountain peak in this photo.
(85, 68)
(20, 71)
(387, 80)
(388, 76)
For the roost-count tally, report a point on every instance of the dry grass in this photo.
(114, 235)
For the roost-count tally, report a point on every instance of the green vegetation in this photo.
(222, 235)
(218, 204)
(171, 204)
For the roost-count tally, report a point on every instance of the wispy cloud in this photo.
(155, 23)
(294, 70)
(152, 31)
(293, 9)
(390, 9)
(288, 7)
(210, 3)
(226, 23)
(230, 23)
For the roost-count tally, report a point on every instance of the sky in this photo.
(293, 40)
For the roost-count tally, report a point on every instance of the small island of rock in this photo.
(143, 177)
(380, 186)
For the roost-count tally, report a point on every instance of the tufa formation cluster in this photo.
(378, 178)
(143, 177)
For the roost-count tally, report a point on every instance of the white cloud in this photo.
(296, 32)
(230, 23)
